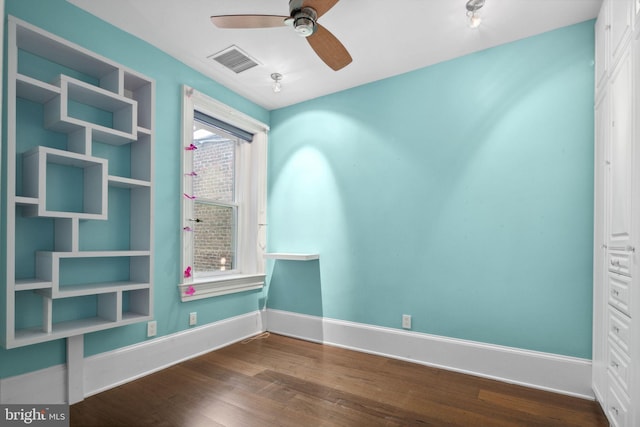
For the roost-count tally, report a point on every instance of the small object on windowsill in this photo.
(190, 291)
(291, 256)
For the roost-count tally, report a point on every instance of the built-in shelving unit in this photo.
(79, 190)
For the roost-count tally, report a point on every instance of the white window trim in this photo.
(252, 222)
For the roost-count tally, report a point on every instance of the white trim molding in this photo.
(111, 369)
(251, 192)
(560, 374)
(220, 285)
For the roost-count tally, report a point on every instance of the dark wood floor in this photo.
(280, 381)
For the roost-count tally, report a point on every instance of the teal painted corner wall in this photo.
(69, 22)
(460, 193)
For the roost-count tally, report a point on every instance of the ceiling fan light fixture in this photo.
(473, 7)
(276, 86)
(474, 20)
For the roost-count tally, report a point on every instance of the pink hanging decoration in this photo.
(187, 228)
(189, 197)
(187, 272)
(190, 291)
(191, 147)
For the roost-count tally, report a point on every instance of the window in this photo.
(223, 200)
(215, 210)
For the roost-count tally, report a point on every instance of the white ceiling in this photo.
(384, 37)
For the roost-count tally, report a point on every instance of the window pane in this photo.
(213, 164)
(214, 238)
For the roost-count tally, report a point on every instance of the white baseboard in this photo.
(110, 369)
(44, 386)
(560, 374)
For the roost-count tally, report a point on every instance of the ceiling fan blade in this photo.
(329, 48)
(248, 21)
(321, 6)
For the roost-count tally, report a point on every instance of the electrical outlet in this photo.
(406, 321)
(193, 318)
(152, 328)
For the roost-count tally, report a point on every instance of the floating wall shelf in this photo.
(291, 256)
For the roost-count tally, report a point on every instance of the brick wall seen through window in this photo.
(214, 236)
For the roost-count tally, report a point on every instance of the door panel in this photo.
(621, 156)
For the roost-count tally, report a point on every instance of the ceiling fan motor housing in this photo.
(304, 21)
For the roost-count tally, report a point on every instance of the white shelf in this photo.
(99, 105)
(92, 289)
(143, 131)
(26, 201)
(31, 284)
(291, 256)
(118, 181)
(35, 90)
(74, 327)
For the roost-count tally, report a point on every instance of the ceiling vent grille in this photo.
(234, 59)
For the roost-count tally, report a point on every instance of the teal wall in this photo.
(67, 21)
(460, 193)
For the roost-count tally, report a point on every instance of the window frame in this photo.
(250, 197)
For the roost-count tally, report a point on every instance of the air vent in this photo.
(234, 59)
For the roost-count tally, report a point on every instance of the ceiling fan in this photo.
(303, 16)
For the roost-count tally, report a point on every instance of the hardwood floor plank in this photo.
(280, 381)
(425, 411)
(552, 414)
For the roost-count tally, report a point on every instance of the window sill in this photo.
(219, 285)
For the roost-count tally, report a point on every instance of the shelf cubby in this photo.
(92, 272)
(111, 117)
(140, 90)
(49, 175)
(135, 304)
(63, 56)
(29, 308)
(35, 90)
